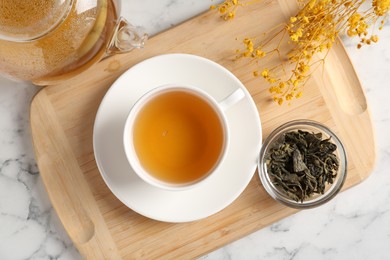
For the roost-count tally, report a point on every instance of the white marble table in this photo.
(355, 225)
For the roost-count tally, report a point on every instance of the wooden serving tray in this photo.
(101, 227)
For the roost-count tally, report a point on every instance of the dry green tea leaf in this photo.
(302, 164)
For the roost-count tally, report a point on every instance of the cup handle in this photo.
(126, 37)
(231, 99)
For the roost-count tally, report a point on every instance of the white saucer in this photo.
(220, 189)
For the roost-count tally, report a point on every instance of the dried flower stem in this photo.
(228, 8)
(311, 33)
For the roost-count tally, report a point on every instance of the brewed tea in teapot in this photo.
(41, 40)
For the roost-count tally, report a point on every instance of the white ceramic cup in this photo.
(219, 107)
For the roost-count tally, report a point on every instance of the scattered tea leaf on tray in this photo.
(302, 163)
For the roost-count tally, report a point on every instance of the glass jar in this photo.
(276, 138)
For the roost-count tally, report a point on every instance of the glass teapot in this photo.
(44, 41)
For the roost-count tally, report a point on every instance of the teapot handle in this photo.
(126, 37)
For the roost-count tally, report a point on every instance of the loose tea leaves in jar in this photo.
(302, 164)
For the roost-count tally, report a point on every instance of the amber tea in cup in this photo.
(175, 137)
(178, 137)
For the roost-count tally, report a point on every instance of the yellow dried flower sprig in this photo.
(227, 9)
(311, 34)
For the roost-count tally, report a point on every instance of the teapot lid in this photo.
(26, 20)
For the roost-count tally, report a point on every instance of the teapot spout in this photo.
(126, 37)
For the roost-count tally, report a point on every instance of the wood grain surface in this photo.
(101, 227)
